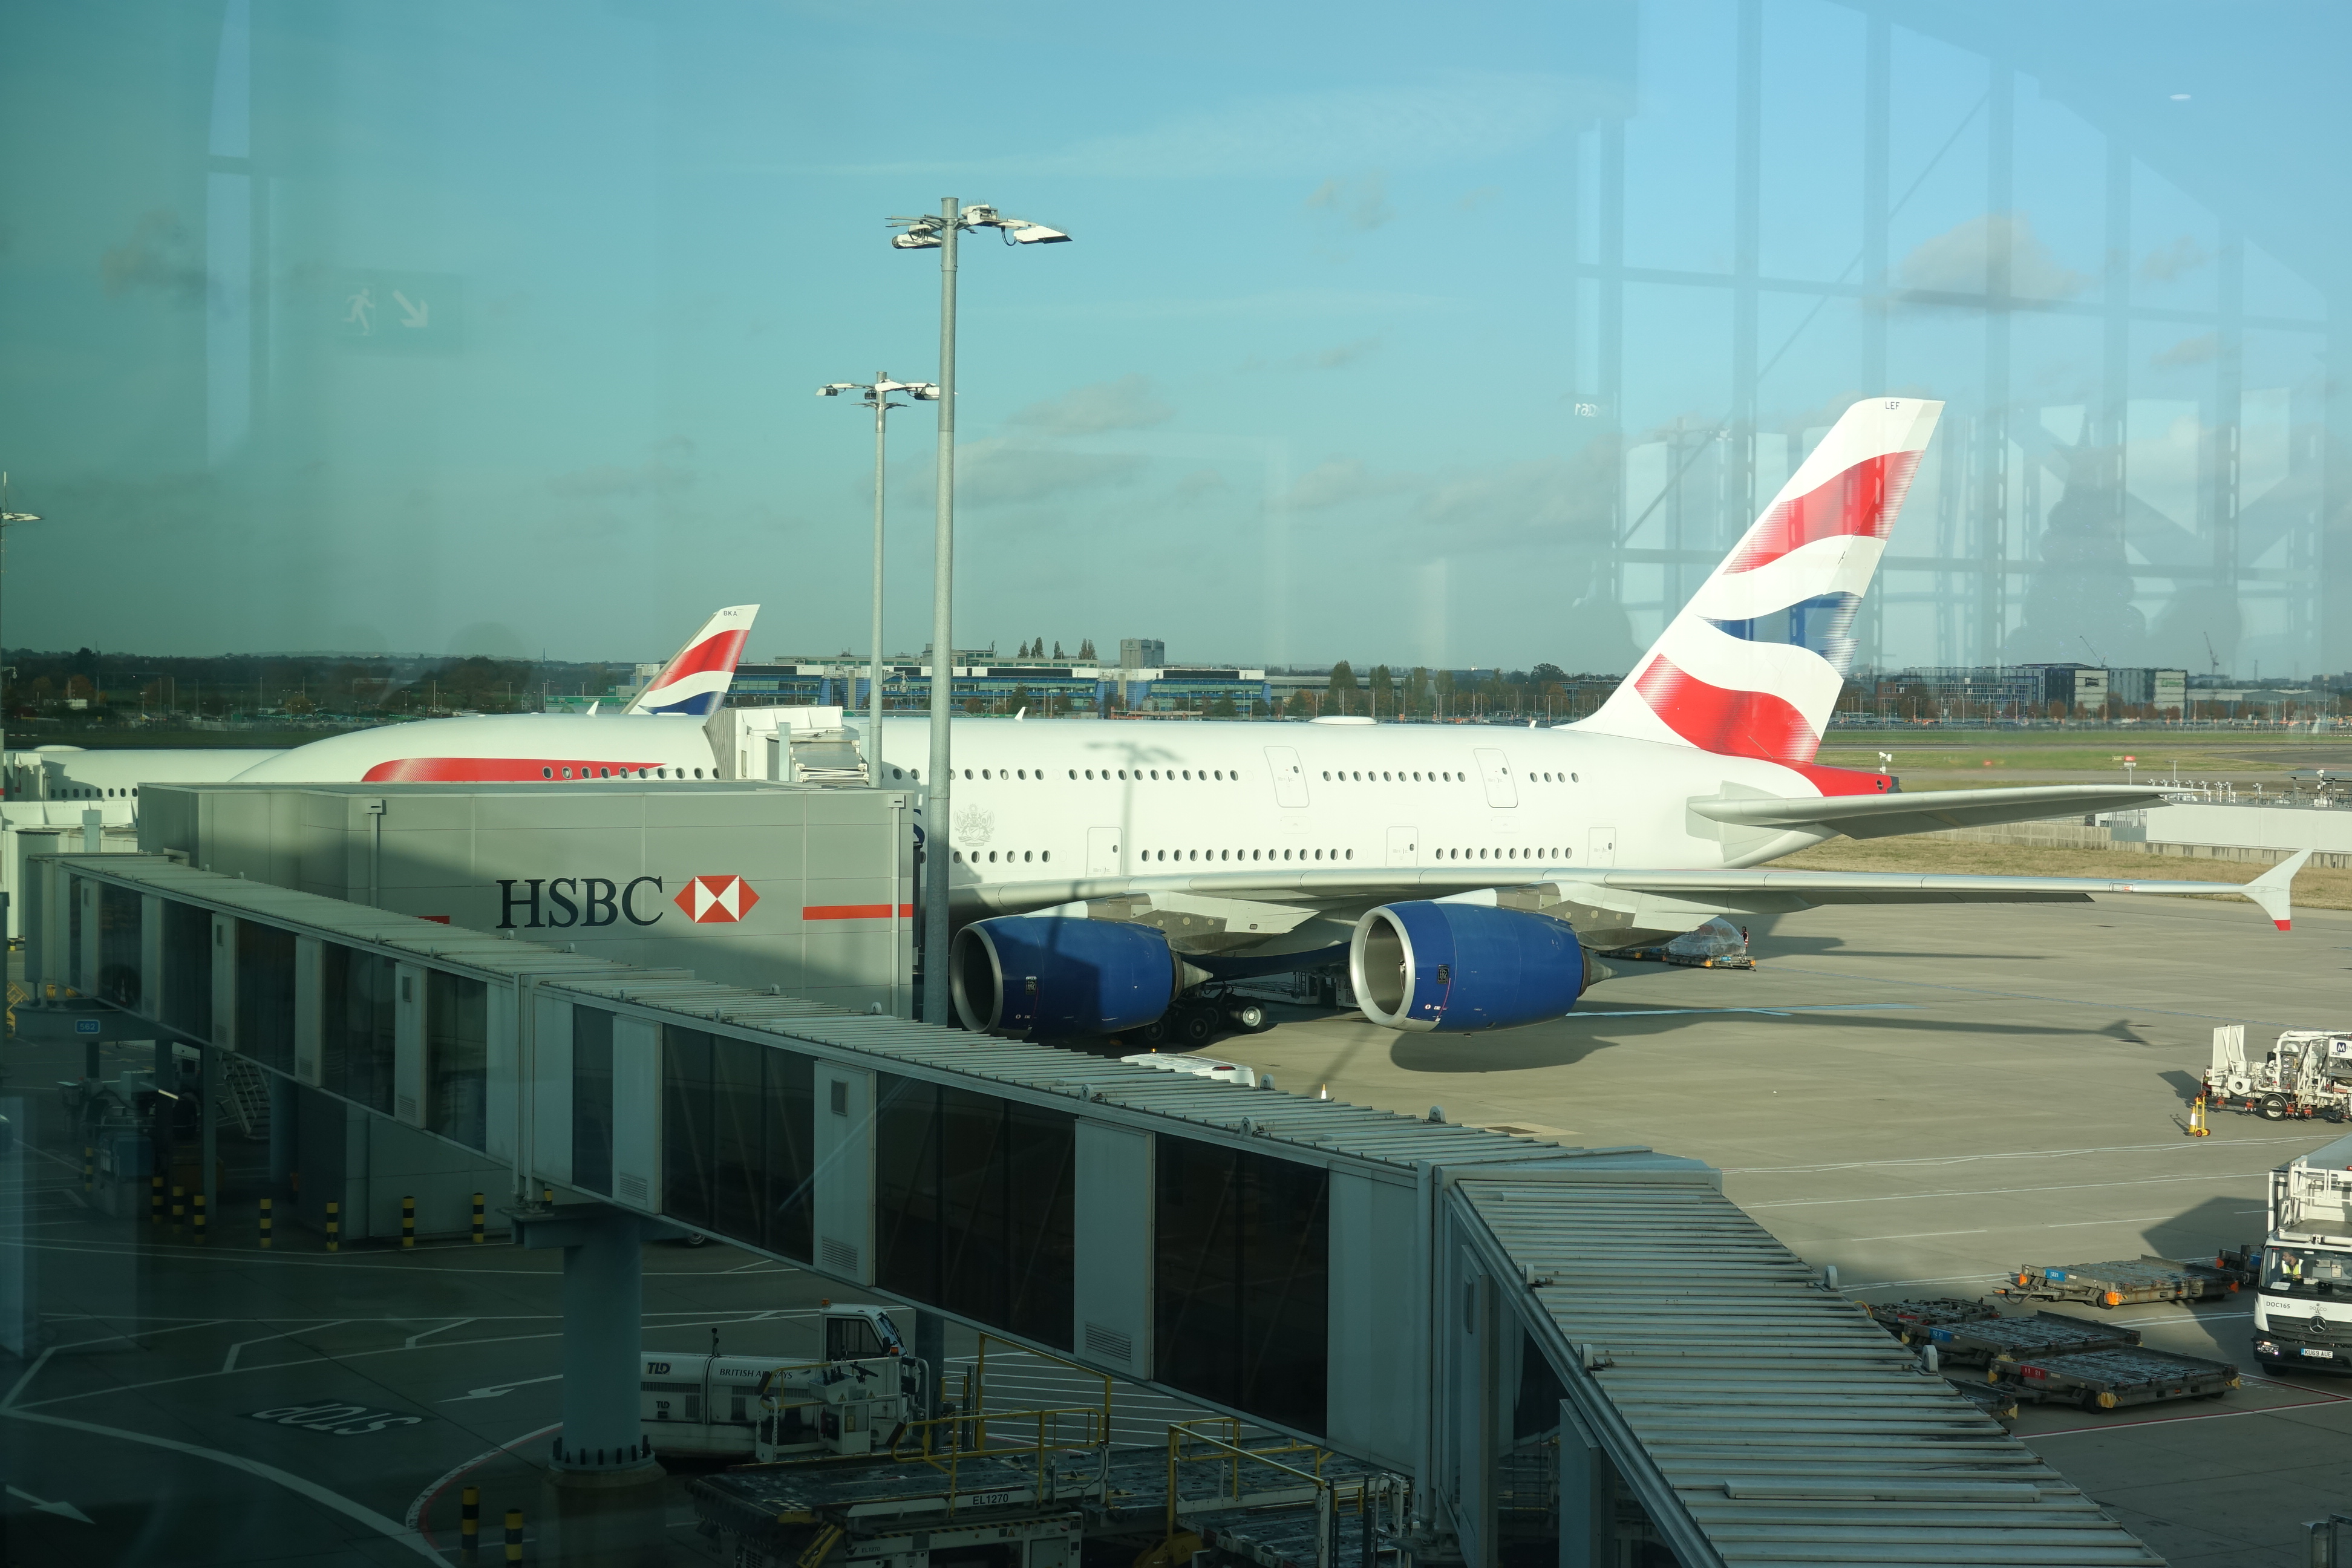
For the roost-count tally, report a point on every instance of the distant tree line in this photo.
(122, 688)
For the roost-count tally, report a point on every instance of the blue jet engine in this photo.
(1450, 968)
(1052, 975)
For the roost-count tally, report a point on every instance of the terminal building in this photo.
(1056, 688)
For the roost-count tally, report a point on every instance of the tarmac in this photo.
(1929, 1096)
(1925, 1096)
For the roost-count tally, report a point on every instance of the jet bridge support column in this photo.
(604, 1325)
(601, 1503)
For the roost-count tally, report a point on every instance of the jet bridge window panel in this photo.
(188, 969)
(265, 993)
(738, 1129)
(457, 1057)
(974, 1207)
(119, 935)
(1241, 1272)
(357, 1021)
(591, 1100)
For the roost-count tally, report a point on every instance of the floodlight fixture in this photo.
(938, 232)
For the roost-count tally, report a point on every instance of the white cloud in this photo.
(1126, 404)
(1957, 261)
(1000, 473)
(1342, 481)
(1360, 203)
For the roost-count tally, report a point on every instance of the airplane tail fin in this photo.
(695, 681)
(1707, 683)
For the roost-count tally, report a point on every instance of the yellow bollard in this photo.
(264, 1224)
(334, 1224)
(154, 1200)
(477, 1219)
(179, 1205)
(469, 1522)
(200, 1217)
(408, 1222)
(514, 1535)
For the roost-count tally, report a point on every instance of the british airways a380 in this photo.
(1107, 875)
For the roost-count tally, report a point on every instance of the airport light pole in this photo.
(7, 518)
(939, 233)
(877, 397)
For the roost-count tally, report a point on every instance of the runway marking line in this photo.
(2176, 1144)
(287, 1479)
(2003, 1192)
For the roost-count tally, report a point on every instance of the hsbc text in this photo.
(575, 901)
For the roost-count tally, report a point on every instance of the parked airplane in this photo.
(1103, 870)
(647, 741)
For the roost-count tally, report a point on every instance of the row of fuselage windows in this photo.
(588, 771)
(1223, 775)
(78, 792)
(1013, 857)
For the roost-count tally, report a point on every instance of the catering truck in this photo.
(2303, 1302)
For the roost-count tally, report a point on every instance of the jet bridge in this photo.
(1557, 1346)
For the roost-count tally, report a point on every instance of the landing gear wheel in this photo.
(1195, 1026)
(1249, 1017)
(2275, 1108)
(1154, 1034)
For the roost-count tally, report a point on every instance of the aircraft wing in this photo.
(1884, 815)
(1636, 897)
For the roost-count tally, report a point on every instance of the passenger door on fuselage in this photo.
(1289, 776)
(1404, 847)
(1495, 770)
(1102, 851)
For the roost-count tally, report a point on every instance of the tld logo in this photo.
(575, 901)
(716, 900)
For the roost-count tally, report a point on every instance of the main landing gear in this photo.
(1200, 1015)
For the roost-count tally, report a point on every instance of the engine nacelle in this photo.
(1052, 975)
(1452, 968)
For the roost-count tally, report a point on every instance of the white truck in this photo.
(853, 1401)
(2303, 1301)
(2307, 1073)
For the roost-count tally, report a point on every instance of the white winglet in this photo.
(2270, 889)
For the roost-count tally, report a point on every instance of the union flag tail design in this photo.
(695, 681)
(1707, 683)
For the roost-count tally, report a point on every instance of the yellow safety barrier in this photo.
(200, 1217)
(265, 1224)
(179, 1205)
(514, 1535)
(334, 1224)
(469, 1522)
(154, 1200)
(408, 1222)
(477, 1219)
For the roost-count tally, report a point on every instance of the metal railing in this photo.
(1187, 1444)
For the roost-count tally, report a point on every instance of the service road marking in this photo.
(62, 1509)
(341, 1504)
(498, 1389)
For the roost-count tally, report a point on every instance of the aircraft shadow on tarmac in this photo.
(1513, 1050)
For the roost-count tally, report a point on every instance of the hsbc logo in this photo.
(539, 903)
(716, 900)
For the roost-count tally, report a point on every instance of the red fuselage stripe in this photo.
(1861, 502)
(853, 911)
(493, 769)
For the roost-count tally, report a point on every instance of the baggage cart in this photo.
(2114, 1378)
(2121, 1281)
(1985, 1340)
(1906, 1319)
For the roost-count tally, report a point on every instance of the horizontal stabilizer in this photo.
(1885, 815)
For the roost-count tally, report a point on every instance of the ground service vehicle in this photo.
(2303, 1301)
(743, 1406)
(2307, 1073)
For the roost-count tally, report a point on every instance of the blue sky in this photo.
(1303, 387)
